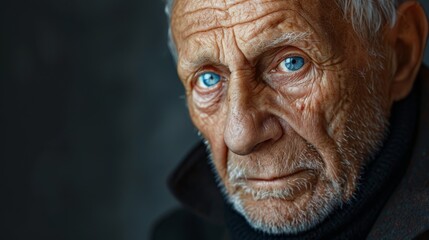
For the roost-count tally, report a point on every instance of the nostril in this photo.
(276, 135)
(244, 135)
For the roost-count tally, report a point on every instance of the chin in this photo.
(277, 214)
(292, 204)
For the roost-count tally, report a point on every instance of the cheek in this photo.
(211, 126)
(350, 92)
(304, 109)
(302, 106)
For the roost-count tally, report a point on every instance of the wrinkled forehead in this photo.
(218, 13)
(193, 16)
(253, 24)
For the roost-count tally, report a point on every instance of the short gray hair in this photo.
(366, 16)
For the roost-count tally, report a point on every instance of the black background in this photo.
(92, 119)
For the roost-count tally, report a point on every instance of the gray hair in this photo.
(366, 16)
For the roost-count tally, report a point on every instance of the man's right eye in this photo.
(208, 79)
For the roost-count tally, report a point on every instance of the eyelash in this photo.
(274, 69)
(196, 76)
(277, 60)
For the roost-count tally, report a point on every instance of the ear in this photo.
(408, 37)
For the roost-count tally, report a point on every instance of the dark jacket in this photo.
(404, 216)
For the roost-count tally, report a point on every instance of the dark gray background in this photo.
(92, 119)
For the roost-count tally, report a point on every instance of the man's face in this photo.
(291, 103)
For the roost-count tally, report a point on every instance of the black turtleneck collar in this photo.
(355, 219)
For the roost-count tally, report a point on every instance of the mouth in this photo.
(288, 186)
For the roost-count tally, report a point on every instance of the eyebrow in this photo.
(285, 39)
(199, 61)
(260, 47)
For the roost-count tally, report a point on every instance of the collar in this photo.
(193, 184)
(406, 214)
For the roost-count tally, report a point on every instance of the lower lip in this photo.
(299, 183)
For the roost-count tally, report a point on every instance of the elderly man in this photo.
(315, 117)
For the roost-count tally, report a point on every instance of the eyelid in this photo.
(275, 77)
(206, 98)
(285, 53)
(213, 69)
(207, 69)
(200, 79)
(291, 74)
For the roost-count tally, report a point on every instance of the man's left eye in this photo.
(292, 64)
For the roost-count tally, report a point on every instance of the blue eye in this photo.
(208, 79)
(292, 64)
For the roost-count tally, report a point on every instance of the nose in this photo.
(249, 123)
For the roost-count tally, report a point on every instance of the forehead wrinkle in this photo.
(220, 9)
(288, 38)
(218, 6)
(190, 65)
(279, 32)
(230, 25)
(210, 18)
(198, 52)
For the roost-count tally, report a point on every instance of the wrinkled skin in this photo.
(287, 146)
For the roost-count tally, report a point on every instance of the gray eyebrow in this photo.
(201, 60)
(286, 38)
(289, 37)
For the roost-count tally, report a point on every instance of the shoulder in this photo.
(406, 214)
